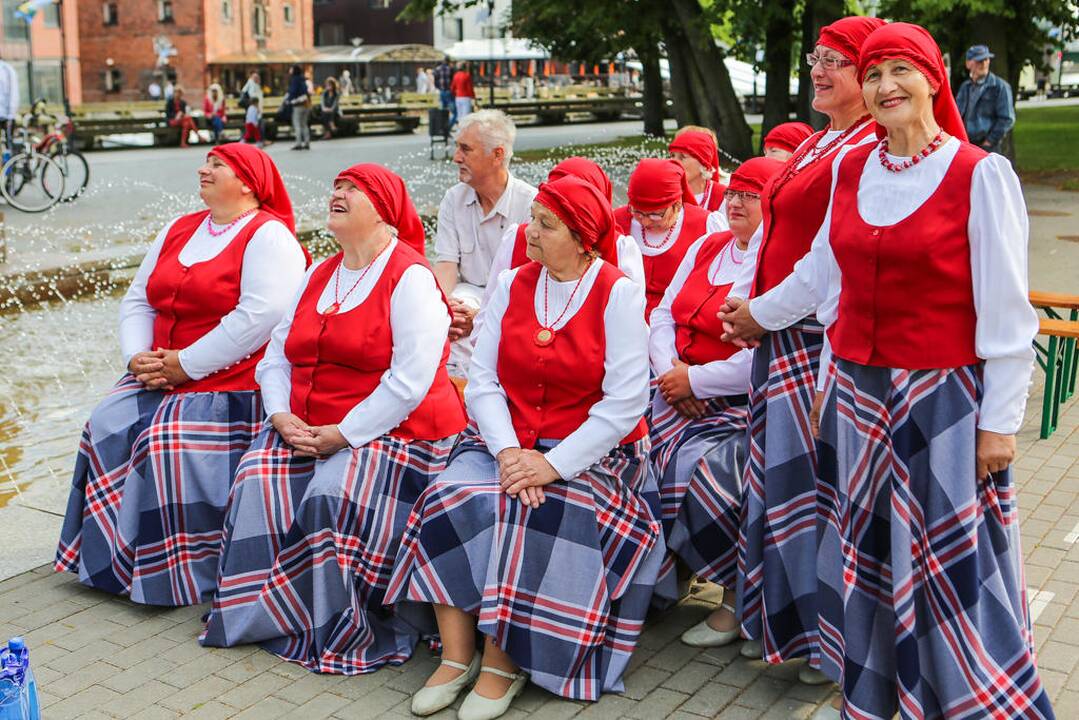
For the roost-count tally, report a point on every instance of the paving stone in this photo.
(212, 710)
(557, 709)
(246, 668)
(737, 712)
(321, 706)
(247, 694)
(197, 693)
(673, 656)
(710, 699)
(691, 677)
(643, 680)
(763, 692)
(371, 706)
(657, 704)
(138, 699)
(608, 707)
(267, 709)
(83, 701)
(1055, 655)
(195, 670)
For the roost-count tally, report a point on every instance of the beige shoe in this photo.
(812, 676)
(751, 650)
(477, 707)
(703, 635)
(429, 700)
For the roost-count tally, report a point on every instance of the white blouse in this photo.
(273, 267)
(625, 363)
(419, 322)
(998, 229)
(717, 219)
(718, 378)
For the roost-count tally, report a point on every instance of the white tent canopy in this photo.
(498, 49)
(742, 75)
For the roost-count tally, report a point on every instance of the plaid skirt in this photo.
(309, 546)
(564, 588)
(698, 464)
(777, 540)
(147, 504)
(923, 607)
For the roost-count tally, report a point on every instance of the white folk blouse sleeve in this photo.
(625, 385)
(274, 372)
(630, 260)
(1006, 323)
(662, 349)
(484, 396)
(419, 321)
(722, 378)
(717, 222)
(273, 268)
(136, 314)
(502, 260)
(744, 283)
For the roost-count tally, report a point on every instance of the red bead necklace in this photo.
(729, 251)
(795, 165)
(545, 334)
(910, 162)
(644, 237)
(337, 302)
(222, 231)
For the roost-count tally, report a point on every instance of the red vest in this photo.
(520, 248)
(907, 298)
(793, 214)
(697, 328)
(550, 389)
(713, 196)
(190, 301)
(338, 360)
(660, 269)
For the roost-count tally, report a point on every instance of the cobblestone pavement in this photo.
(97, 656)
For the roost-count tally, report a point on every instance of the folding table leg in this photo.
(1051, 401)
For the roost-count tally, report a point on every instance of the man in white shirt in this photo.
(472, 217)
(9, 98)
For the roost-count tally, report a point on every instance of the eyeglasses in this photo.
(742, 196)
(653, 216)
(828, 62)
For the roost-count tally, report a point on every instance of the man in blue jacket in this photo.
(985, 101)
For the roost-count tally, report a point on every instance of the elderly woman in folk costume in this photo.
(513, 252)
(696, 149)
(777, 593)
(664, 219)
(699, 414)
(147, 504)
(548, 506)
(784, 139)
(922, 604)
(362, 415)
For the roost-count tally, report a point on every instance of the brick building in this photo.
(337, 22)
(36, 51)
(125, 44)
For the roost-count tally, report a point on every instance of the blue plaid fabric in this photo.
(777, 543)
(147, 504)
(563, 588)
(698, 464)
(923, 607)
(309, 546)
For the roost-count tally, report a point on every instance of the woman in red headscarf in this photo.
(147, 504)
(777, 593)
(513, 252)
(544, 507)
(362, 415)
(922, 604)
(699, 412)
(784, 139)
(664, 219)
(696, 149)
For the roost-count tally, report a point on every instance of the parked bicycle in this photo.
(58, 143)
(30, 180)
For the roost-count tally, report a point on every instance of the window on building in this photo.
(164, 11)
(259, 21)
(52, 16)
(453, 28)
(330, 33)
(226, 10)
(111, 14)
(114, 80)
(14, 29)
(290, 15)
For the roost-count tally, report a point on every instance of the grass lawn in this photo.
(1047, 144)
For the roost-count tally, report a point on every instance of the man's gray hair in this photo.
(495, 128)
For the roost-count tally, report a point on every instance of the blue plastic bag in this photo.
(18, 690)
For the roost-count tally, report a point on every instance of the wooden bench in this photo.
(1060, 357)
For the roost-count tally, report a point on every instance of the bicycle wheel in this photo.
(32, 182)
(76, 173)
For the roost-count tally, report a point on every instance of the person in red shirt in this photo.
(463, 93)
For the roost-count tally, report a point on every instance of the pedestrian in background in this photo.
(213, 107)
(330, 107)
(9, 99)
(443, 79)
(985, 102)
(299, 99)
(464, 95)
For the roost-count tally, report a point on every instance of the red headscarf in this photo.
(586, 170)
(585, 211)
(387, 192)
(913, 43)
(257, 171)
(787, 136)
(657, 184)
(698, 145)
(753, 174)
(846, 35)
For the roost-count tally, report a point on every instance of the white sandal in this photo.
(477, 707)
(429, 700)
(703, 635)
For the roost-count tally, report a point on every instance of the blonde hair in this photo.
(697, 128)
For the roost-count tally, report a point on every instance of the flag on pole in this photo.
(26, 11)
